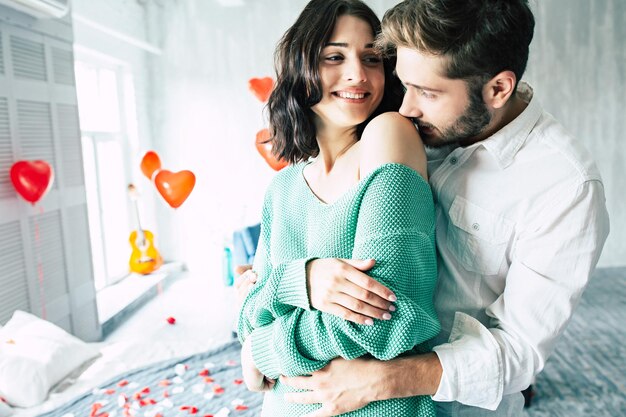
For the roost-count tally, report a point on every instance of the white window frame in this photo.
(127, 141)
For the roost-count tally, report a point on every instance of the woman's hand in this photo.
(342, 288)
(244, 283)
(255, 380)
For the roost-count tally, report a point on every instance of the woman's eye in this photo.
(374, 59)
(426, 94)
(333, 58)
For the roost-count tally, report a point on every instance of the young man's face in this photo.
(443, 108)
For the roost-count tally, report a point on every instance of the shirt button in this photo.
(476, 226)
(453, 160)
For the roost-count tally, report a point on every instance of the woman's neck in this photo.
(333, 143)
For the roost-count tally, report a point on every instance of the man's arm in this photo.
(344, 386)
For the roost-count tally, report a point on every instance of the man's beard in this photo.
(469, 125)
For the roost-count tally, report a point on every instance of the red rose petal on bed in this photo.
(164, 383)
(184, 407)
(158, 415)
(105, 414)
(171, 320)
(193, 410)
(241, 407)
(166, 394)
(122, 383)
(109, 391)
(204, 372)
(94, 409)
(208, 415)
(143, 403)
(146, 390)
(218, 389)
(137, 396)
(238, 381)
(208, 380)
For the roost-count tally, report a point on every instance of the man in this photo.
(521, 220)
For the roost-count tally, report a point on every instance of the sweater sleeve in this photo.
(395, 226)
(280, 288)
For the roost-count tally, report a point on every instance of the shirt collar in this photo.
(506, 142)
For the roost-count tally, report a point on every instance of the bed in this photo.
(206, 383)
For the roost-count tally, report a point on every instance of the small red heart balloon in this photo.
(175, 187)
(32, 179)
(150, 163)
(261, 87)
(264, 146)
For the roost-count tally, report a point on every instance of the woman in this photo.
(364, 195)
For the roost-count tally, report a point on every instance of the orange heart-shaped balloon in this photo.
(175, 187)
(32, 179)
(261, 87)
(264, 146)
(150, 163)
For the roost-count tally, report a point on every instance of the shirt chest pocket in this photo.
(477, 237)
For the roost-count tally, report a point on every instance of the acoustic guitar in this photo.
(144, 258)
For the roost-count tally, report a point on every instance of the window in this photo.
(106, 103)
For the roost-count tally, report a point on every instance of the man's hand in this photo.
(340, 387)
(344, 386)
(255, 380)
(342, 288)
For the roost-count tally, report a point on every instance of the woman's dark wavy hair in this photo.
(298, 85)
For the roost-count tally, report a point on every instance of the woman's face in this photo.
(352, 75)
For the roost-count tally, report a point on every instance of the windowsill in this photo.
(116, 302)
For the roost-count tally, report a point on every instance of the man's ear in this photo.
(499, 89)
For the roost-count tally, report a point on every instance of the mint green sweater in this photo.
(387, 216)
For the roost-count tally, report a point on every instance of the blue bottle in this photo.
(227, 267)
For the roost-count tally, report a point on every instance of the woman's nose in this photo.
(355, 71)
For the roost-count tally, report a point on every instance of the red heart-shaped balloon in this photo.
(32, 179)
(261, 87)
(264, 146)
(150, 163)
(175, 187)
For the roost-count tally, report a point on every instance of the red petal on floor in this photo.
(171, 320)
(241, 407)
(109, 392)
(146, 390)
(184, 407)
(164, 383)
(218, 389)
(122, 383)
(208, 380)
(238, 381)
(204, 372)
(137, 396)
(166, 394)
(193, 410)
(143, 403)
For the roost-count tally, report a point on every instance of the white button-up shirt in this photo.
(521, 222)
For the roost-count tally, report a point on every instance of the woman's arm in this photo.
(396, 227)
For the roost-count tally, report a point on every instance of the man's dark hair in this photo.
(298, 85)
(479, 38)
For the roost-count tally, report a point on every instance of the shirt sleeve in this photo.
(550, 268)
(395, 226)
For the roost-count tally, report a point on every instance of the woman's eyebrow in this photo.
(345, 44)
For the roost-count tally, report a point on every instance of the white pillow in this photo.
(34, 356)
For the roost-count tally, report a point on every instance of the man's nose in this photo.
(410, 107)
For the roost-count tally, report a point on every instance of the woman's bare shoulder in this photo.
(391, 138)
